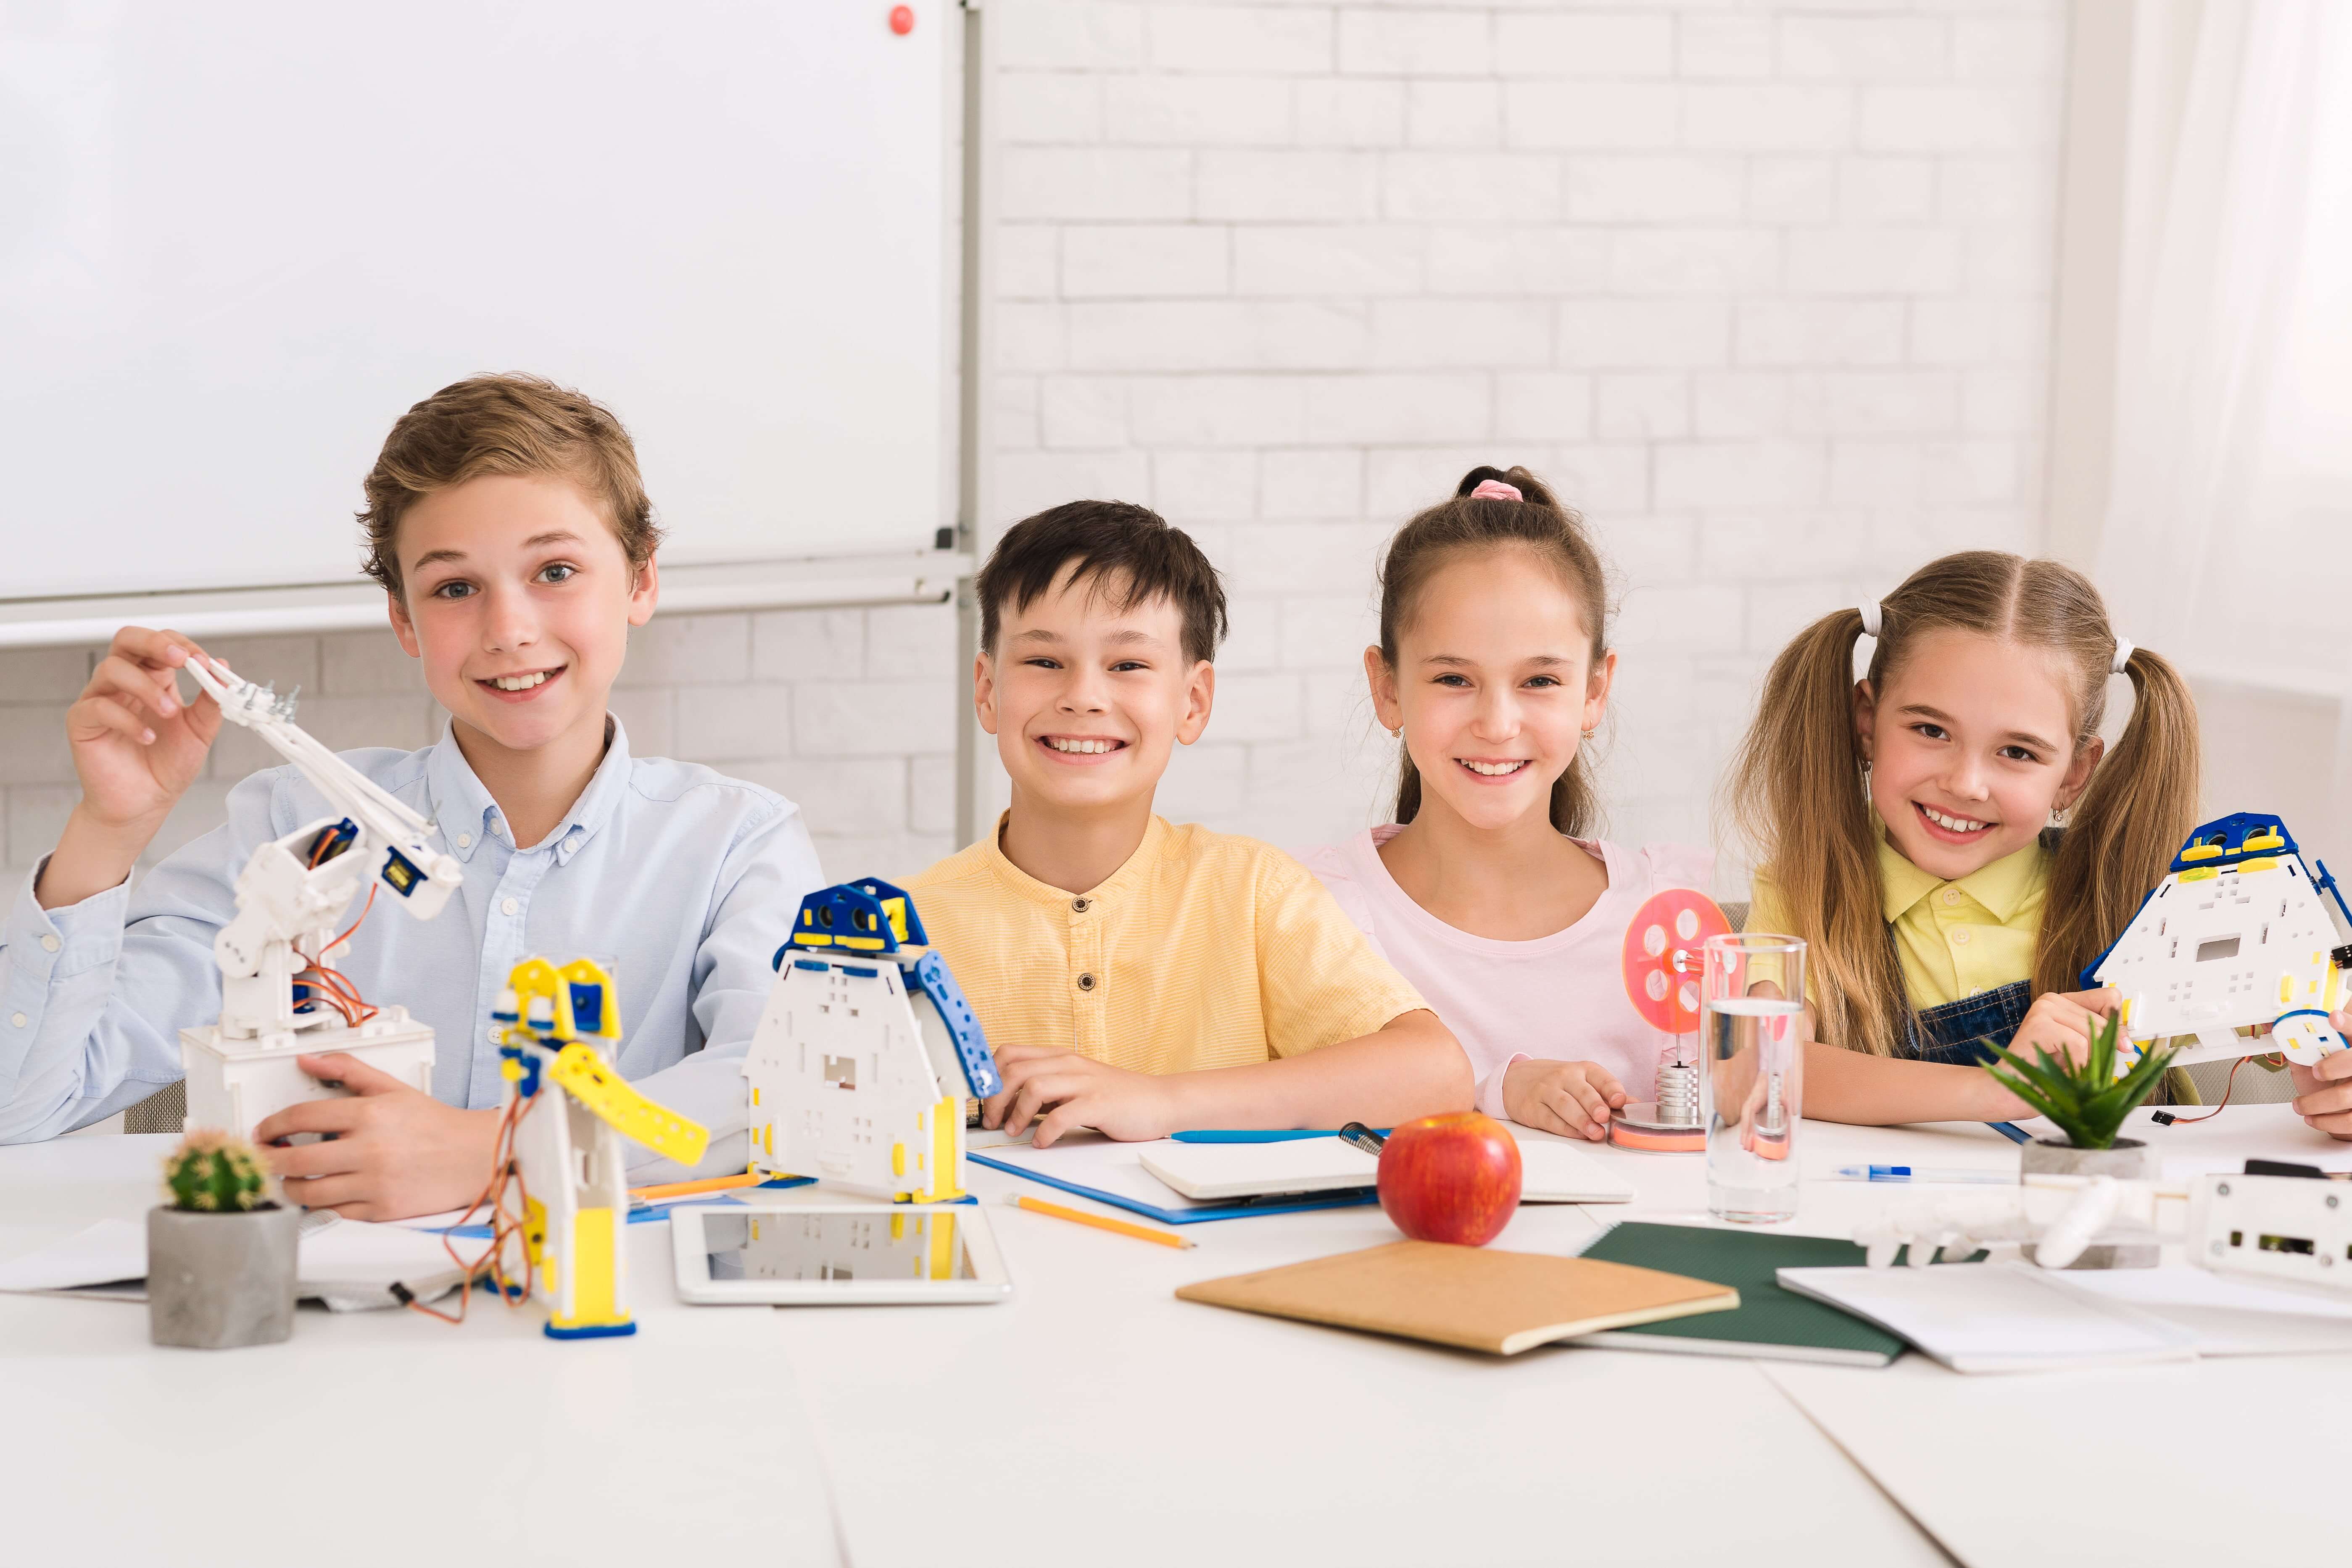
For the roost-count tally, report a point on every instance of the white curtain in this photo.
(2227, 541)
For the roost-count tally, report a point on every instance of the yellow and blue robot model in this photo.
(864, 1053)
(2237, 936)
(567, 1147)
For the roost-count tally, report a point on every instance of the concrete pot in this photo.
(215, 1281)
(2129, 1160)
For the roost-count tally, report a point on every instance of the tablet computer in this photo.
(804, 1255)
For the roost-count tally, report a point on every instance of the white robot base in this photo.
(238, 1084)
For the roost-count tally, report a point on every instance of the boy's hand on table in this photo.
(2323, 1094)
(1573, 1098)
(1067, 1090)
(396, 1152)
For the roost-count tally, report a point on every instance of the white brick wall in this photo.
(1764, 290)
(817, 704)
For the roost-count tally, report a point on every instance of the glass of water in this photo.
(1751, 1032)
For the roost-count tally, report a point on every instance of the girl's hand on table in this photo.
(1569, 1098)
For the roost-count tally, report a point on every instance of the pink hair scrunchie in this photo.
(1496, 489)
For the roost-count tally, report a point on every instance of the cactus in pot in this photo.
(221, 1250)
(2088, 1100)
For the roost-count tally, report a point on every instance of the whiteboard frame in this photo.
(825, 582)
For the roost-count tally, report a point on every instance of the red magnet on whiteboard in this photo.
(902, 19)
(1662, 961)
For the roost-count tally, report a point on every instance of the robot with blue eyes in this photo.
(2236, 935)
(864, 1053)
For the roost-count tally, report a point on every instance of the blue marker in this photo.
(1921, 1174)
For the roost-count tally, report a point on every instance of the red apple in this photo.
(1451, 1178)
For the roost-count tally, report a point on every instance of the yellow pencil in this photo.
(1142, 1232)
(687, 1189)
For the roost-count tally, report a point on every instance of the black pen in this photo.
(1363, 1137)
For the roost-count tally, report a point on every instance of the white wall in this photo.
(1766, 291)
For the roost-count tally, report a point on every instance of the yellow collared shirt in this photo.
(1204, 950)
(1955, 939)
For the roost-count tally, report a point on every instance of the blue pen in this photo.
(1921, 1174)
(2011, 1131)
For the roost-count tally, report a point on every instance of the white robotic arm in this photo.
(279, 991)
(2289, 1230)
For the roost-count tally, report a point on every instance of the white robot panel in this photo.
(865, 1052)
(2236, 935)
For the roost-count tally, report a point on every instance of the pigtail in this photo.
(2140, 809)
(1796, 793)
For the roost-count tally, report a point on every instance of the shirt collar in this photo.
(2001, 888)
(1131, 872)
(466, 813)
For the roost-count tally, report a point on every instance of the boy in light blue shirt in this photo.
(515, 544)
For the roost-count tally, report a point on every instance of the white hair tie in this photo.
(1873, 617)
(2123, 655)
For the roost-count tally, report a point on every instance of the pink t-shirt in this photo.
(1558, 998)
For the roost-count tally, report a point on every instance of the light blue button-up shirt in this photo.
(682, 881)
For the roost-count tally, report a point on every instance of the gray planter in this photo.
(215, 1281)
(2130, 1160)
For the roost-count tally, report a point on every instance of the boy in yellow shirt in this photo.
(1134, 976)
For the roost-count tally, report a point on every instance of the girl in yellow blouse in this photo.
(1909, 827)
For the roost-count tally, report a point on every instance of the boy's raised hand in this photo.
(396, 1153)
(1573, 1098)
(1067, 1090)
(136, 749)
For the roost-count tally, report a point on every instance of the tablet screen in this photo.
(859, 1246)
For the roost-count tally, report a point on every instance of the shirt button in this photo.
(1951, 895)
(509, 907)
(18, 1019)
(1080, 905)
(492, 1033)
(465, 841)
(1960, 937)
(1085, 981)
(49, 945)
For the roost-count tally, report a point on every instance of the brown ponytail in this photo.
(2133, 817)
(1796, 788)
(1438, 536)
(1795, 791)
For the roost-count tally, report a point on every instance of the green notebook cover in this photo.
(1770, 1322)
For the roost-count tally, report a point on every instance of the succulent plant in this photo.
(2088, 1099)
(213, 1171)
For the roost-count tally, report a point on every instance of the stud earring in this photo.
(2058, 814)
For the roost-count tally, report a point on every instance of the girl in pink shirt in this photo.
(1488, 892)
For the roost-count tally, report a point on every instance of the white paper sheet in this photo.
(2226, 1315)
(347, 1263)
(1996, 1317)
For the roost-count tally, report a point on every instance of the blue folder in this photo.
(1348, 1197)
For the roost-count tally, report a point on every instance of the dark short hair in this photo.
(1124, 549)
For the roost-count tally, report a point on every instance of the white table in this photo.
(1096, 1416)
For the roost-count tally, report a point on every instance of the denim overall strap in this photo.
(1963, 1031)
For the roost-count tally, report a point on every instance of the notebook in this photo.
(1471, 1297)
(1093, 1166)
(1550, 1172)
(1773, 1323)
(1998, 1317)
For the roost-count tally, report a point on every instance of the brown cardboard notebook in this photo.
(1466, 1295)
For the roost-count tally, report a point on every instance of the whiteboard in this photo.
(239, 238)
